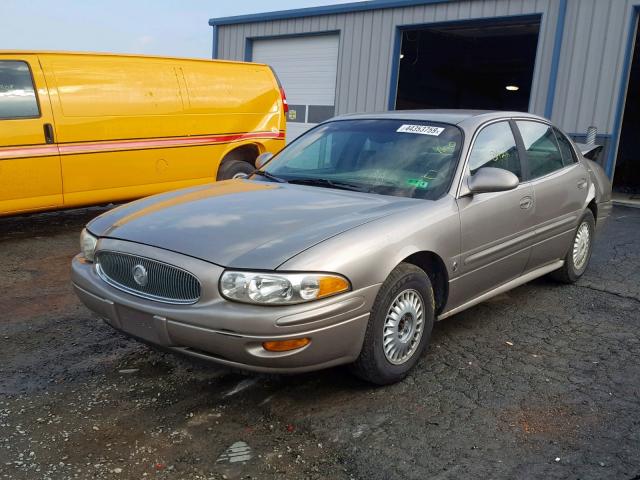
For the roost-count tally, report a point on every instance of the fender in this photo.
(367, 254)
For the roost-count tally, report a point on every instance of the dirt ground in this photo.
(542, 382)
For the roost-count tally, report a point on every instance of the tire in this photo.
(576, 264)
(404, 284)
(234, 169)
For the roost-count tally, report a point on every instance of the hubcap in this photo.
(581, 245)
(403, 327)
(240, 175)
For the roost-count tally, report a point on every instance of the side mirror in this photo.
(489, 179)
(262, 159)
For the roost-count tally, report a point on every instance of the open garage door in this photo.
(485, 65)
(306, 67)
(626, 180)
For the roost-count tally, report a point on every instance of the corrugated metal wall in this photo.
(593, 52)
(591, 59)
(367, 41)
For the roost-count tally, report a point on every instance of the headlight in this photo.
(280, 288)
(88, 245)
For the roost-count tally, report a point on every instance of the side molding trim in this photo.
(516, 282)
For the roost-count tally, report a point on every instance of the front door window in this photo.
(495, 147)
(17, 94)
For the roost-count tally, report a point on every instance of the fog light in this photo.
(286, 345)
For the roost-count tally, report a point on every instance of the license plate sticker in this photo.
(421, 129)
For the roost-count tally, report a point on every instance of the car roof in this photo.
(454, 117)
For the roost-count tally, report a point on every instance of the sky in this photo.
(155, 27)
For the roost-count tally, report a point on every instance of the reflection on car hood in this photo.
(244, 223)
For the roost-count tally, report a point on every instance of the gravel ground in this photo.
(542, 382)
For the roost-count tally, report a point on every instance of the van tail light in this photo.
(285, 105)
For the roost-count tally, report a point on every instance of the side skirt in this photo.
(516, 282)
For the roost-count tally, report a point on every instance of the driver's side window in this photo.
(313, 157)
(323, 154)
(496, 147)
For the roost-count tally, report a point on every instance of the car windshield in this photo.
(407, 158)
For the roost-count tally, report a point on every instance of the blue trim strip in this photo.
(248, 49)
(555, 59)
(395, 68)
(598, 135)
(325, 10)
(622, 90)
(214, 43)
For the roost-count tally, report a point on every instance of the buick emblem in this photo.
(140, 275)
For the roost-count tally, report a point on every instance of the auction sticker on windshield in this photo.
(421, 129)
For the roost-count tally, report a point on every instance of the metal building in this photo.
(573, 61)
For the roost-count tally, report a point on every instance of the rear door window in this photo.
(542, 150)
(568, 154)
(17, 93)
(495, 147)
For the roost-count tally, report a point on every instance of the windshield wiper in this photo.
(270, 176)
(325, 182)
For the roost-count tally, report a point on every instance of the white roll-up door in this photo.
(307, 68)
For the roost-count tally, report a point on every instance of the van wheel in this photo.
(579, 254)
(399, 326)
(234, 169)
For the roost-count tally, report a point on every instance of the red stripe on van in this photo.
(105, 146)
(20, 152)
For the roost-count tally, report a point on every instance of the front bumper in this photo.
(226, 332)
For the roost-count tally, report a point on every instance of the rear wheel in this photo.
(579, 254)
(399, 326)
(234, 169)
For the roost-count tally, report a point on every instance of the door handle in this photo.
(582, 183)
(48, 133)
(526, 202)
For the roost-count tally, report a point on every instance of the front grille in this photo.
(147, 278)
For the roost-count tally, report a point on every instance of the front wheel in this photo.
(399, 326)
(234, 169)
(579, 254)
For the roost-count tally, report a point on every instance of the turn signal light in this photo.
(332, 285)
(286, 345)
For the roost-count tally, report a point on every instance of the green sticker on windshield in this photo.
(417, 183)
(448, 148)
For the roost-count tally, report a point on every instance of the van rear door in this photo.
(30, 176)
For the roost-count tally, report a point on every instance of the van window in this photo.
(17, 94)
(495, 147)
(543, 153)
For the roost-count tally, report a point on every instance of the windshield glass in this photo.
(406, 158)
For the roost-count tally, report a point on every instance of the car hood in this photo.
(244, 223)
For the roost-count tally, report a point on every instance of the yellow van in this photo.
(80, 129)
